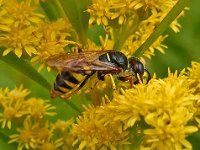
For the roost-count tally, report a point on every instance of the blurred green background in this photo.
(183, 47)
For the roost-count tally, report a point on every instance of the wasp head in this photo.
(136, 67)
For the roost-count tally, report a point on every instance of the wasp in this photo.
(76, 68)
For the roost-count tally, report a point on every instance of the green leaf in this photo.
(4, 142)
(94, 32)
(194, 140)
(51, 10)
(75, 11)
(175, 11)
(25, 68)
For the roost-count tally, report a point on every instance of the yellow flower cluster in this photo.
(24, 30)
(158, 114)
(90, 132)
(137, 19)
(16, 106)
(28, 115)
(17, 27)
(104, 11)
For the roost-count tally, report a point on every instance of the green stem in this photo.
(75, 12)
(60, 8)
(123, 32)
(72, 106)
(50, 10)
(175, 11)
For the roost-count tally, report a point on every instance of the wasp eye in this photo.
(137, 66)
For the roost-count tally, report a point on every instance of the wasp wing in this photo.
(83, 61)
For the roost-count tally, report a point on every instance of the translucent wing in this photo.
(83, 61)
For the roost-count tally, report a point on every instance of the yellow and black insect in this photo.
(76, 68)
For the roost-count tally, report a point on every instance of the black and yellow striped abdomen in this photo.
(67, 83)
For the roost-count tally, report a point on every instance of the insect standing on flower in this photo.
(76, 68)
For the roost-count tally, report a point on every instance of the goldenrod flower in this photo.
(62, 126)
(38, 108)
(90, 132)
(99, 12)
(12, 104)
(52, 145)
(35, 134)
(157, 115)
(166, 106)
(18, 25)
(194, 73)
(16, 106)
(52, 40)
(63, 129)
(140, 17)
(26, 136)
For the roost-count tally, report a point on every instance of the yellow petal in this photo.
(9, 124)
(30, 49)
(186, 144)
(139, 5)
(190, 129)
(8, 50)
(98, 20)
(4, 28)
(104, 20)
(121, 19)
(18, 52)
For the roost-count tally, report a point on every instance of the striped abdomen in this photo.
(67, 83)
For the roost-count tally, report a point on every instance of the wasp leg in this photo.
(127, 78)
(113, 83)
(67, 95)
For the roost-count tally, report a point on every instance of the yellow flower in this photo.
(36, 135)
(142, 17)
(99, 12)
(63, 128)
(124, 8)
(18, 21)
(52, 145)
(26, 137)
(194, 73)
(163, 108)
(38, 108)
(90, 132)
(12, 104)
(52, 40)
(103, 11)
(16, 106)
